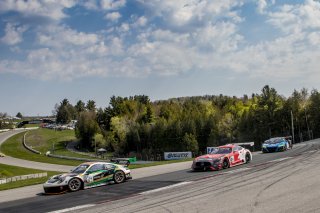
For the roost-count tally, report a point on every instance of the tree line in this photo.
(137, 125)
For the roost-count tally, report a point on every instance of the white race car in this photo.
(87, 175)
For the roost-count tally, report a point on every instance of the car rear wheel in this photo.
(74, 184)
(225, 164)
(119, 177)
(248, 158)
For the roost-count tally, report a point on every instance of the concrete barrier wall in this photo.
(28, 147)
(23, 177)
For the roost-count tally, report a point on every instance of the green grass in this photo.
(44, 140)
(156, 163)
(13, 147)
(30, 125)
(7, 171)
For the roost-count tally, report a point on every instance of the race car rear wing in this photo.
(121, 161)
(248, 145)
(245, 143)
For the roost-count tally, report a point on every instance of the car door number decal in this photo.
(89, 179)
(231, 158)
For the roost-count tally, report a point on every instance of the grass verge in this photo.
(7, 171)
(157, 163)
(13, 147)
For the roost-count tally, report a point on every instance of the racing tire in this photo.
(225, 164)
(74, 184)
(119, 177)
(248, 158)
(285, 148)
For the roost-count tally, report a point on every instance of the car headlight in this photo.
(264, 145)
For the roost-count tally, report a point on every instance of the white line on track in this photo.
(236, 170)
(166, 187)
(311, 151)
(280, 159)
(73, 208)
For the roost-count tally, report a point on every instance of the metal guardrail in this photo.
(74, 158)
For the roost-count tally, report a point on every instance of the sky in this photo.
(92, 50)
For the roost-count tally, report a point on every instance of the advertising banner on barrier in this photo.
(177, 155)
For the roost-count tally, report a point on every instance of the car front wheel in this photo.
(74, 184)
(225, 164)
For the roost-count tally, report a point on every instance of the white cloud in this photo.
(261, 5)
(124, 27)
(221, 37)
(112, 4)
(188, 12)
(50, 9)
(314, 38)
(64, 54)
(91, 5)
(113, 16)
(13, 34)
(296, 18)
(58, 36)
(141, 21)
(106, 5)
(201, 36)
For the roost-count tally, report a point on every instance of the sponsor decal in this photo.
(177, 155)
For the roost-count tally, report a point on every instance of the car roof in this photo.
(227, 146)
(95, 162)
(277, 138)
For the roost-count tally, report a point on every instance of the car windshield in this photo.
(220, 150)
(274, 140)
(80, 169)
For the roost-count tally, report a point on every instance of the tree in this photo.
(91, 105)
(3, 115)
(314, 112)
(65, 112)
(86, 128)
(190, 142)
(19, 115)
(80, 107)
(147, 116)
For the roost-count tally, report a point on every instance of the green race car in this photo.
(87, 175)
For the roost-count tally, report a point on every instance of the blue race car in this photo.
(275, 145)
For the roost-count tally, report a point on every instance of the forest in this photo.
(139, 127)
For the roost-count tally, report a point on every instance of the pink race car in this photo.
(222, 157)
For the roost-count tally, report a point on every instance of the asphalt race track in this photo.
(272, 182)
